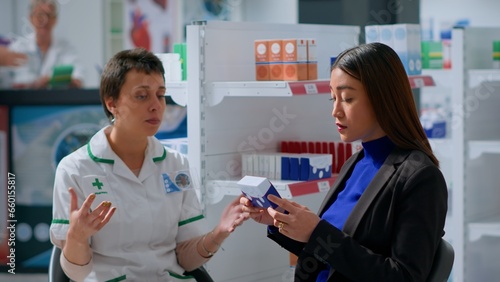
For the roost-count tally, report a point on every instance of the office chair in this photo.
(443, 262)
(56, 274)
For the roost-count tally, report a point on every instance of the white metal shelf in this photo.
(218, 90)
(478, 76)
(477, 148)
(178, 92)
(441, 77)
(486, 228)
(287, 189)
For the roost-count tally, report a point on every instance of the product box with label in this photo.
(294, 59)
(256, 189)
(406, 42)
(432, 55)
(312, 60)
(315, 166)
(275, 60)
(261, 59)
(372, 34)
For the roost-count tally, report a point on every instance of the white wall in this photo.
(484, 13)
(79, 21)
(275, 11)
(86, 33)
(6, 17)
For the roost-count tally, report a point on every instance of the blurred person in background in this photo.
(44, 52)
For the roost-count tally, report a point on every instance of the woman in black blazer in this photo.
(384, 216)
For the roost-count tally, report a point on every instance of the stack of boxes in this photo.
(298, 161)
(286, 59)
(404, 39)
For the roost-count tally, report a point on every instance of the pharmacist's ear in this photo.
(110, 105)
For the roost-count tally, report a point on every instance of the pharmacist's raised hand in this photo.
(258, 214)
(84, 222)
(11, 59)
(298, 223)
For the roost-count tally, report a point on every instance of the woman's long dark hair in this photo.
(386, 83)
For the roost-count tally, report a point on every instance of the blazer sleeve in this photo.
(290, 245)
(398, 235)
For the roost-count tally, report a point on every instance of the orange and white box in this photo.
(312, 60)
(261, 60)
(275, 59)
(294, 59)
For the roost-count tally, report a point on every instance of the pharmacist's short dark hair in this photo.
(380, 70)
(116, 69)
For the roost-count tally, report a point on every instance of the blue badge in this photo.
(169, 185)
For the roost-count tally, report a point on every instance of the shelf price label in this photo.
(418, 82)
(311, 88)
(323, 186)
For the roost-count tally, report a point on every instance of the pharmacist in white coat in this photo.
(43, 50)
(132, 212)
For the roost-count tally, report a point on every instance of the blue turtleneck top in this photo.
(375, 153)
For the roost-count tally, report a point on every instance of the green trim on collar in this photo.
(189, 220)
(178, 276)
(60, 221)
(121, 278)
(157, 159)
(96, 159)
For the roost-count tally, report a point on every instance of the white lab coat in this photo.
(61, 52)
(152, 214)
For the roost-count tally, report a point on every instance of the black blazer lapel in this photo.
(378, 182)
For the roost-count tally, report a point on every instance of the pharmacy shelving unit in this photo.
(230, 113)
(470, 154)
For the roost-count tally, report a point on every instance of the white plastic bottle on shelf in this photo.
(426, 120)
(439, 122)
(446, 41)
(433, 119)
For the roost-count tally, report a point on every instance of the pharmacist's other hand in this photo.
(41, 83)
(75, 83)
(84, 222)
(260, 215)
(298, 223)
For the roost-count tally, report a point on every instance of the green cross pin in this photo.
(98, 184)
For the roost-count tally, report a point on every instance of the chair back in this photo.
(56, 274)
(443, 262)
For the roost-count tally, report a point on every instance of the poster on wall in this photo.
(41, 136)
(208, 10)
(151, 24)
(157, 25)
